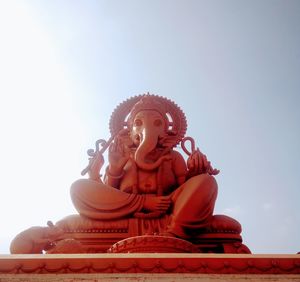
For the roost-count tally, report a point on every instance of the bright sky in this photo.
(232, 66)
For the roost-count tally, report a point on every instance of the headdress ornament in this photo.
(147, 102)
(174, 116)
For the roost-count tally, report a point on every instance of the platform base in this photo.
(149, 267)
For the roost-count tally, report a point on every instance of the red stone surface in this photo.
(150, 263)
(153, 244)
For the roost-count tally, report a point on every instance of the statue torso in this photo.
(159, 181)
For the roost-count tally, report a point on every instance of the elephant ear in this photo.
(168, 140)
(177, 124)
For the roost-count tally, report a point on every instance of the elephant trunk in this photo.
(149, 140)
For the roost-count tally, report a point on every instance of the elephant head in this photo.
(152, 121)
(148, 127)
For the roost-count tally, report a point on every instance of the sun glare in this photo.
(37, 123)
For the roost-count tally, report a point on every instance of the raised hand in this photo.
(197, 163)
(118, 155)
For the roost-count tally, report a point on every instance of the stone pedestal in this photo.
(149, 267)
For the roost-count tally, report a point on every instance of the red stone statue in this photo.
(148, 187)
(145, 175)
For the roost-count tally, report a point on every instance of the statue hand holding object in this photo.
(95, 166)
(197, 162)
(96, 160)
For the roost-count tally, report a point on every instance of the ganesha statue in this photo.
(150, 198)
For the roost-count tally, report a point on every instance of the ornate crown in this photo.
(125, 112)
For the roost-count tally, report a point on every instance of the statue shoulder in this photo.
(176, 155)
(179, 162)
(178, 165)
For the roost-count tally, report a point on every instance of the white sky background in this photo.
(232, 66)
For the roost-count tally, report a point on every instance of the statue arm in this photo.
(113, 179)
(95, 165)
(118, 155)
(179, 167)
